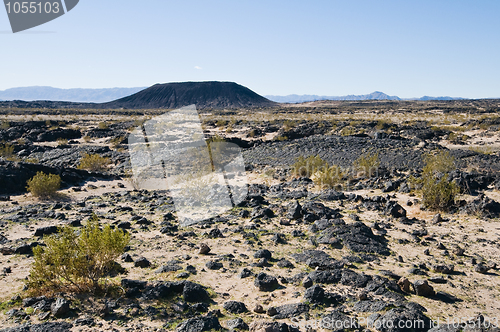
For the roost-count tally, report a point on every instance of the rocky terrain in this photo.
(292, 256)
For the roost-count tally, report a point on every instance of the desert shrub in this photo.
(62, 142)
(308, 166)
(5, 125)
(438, 193)
(32, 160)
(102, 125)
(348, 131)
(87, 138)
(382, 124)
(289, 125)
(221, 123)
(116, 141)
(93, 162)
(367, 164)
(6, 150)
(280, 138)
(457, 138)
(44, 185)
(328, 177)
(76, 261)
(252, 133)
(487, 150)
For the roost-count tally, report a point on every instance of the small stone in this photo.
(445, 269)
(307, 282)
(263, 253)
(237, 323)
(258, 309)
(142, 262)
(127, 258)
(204, 249)
(245, 273)
(60, 307)
(457, 251)
(314, 294)
(266, 282)
(272, 311)
(481, 268)
(437, 218)
(363, 296)
(235, 307)
(422, 288)
(404, 285)
(211, 265)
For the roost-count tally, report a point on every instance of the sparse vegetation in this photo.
(289, 125)
(328, 177)
(44, 185)
(252, 133)
(367, 164)
(62, 142)
(31, 160)
(348, 131)
(93, 162)
(221, 123)
(102, 125)
(482, 149)
(308, 166)
(6, 150)
(5, 125)
(438, 193)
(457, 138)
(76, 261)
(116, 141)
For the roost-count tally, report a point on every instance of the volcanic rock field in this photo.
(293, 256)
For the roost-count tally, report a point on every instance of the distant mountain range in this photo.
(211, 95)
(74, 95)
(106, 95)
(377, 95)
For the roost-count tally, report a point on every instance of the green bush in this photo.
(102, 125)
(328, 177)
(93, 162)
(348, 131)
(367, 164)
(221, 123)
(6, 150)
(44, 185)
(308, 166)
(289, 125)
(76, 261)
(437, 192)
(280, 138)
(62, 142)
(5, 125)
(457, 138)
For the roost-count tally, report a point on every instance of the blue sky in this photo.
(404, 48)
